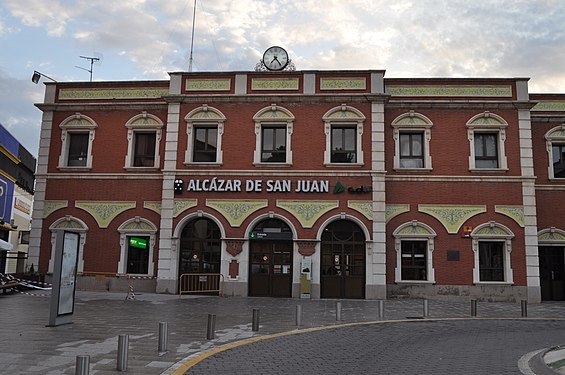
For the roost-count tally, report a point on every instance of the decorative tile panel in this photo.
(516, 213)
(491, 231)
(549, 106)
(236, 210)
(452, 217)
(223, 84)
(182, 205)
(364, 207)
(502, 91)
(153, 206)
(307, 212)
(104, 212)
(393, 210)
(113, 93)
(551, 236)
(274, 84)
(413, 230)
(51, 206)
(343, 83)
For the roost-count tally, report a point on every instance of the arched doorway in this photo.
(200, 248)
(270, 259)
(343, 261)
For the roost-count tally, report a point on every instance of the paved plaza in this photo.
(448, 341)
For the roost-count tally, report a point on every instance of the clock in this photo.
(275, 58)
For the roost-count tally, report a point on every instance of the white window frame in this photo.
(493, 232)
(137, 227)
(414, 231)
(204, 116)
(416, 123)
(273, 116)
(487, 122)
(143, 123)
(76, 124)
(340, 116)
(555, 135)
(71, 224)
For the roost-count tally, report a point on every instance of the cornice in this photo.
(279, 98)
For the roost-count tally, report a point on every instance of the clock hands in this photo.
(278, 62)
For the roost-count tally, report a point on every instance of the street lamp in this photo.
(37, 76)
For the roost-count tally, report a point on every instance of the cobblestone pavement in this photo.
(27, 346)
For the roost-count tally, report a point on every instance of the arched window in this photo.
(200, 247)
(555, 143)
(414, 246)
(144, 136)
(487, 135)
(492, 246)
(71, 224)
(137, 244)
(205, 128)
(412, 134)
(343, 126)
(273, 135)
(76, 142)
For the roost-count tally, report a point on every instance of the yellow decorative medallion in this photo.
(516, 213)
(364, 207)
(307, 212)
(236, 210)
(182, 205)
(104, 212)
(393, 210)
(451, 216)
(51, 206)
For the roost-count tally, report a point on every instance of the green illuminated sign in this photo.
(138, 242)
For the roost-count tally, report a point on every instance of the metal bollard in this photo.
(524, 304)
(123, 347)
(163, 336)
(426, 312)
(381, 309)
(210, 332)
(338, 311)
(299, 315)
(82, 365)
(255, 322)
(473, 307)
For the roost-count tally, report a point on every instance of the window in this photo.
(273, 136)
(144, 154)
(414, 246)
(273, 149)
(205, 128)
(487, 135)
(491, 261)
(78, 149)
(411, 150)
(24, 237)
(492, 246)
(412, 134)
(137, 243)
(144, 134)
(413, 260)
(344, 131)
(77, 136)
(205, 141)
(138, 255)
(486, 155)
(555, 142)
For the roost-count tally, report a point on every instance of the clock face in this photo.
(275, 58)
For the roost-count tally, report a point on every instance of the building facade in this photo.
(17, 168)
(327, 184)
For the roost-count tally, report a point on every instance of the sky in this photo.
(146, 39)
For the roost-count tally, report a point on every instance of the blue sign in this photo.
(6, 194)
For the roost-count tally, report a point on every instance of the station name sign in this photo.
(271, 186)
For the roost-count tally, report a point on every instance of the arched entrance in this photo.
(343, 261)
(200, 249)
(270, 259)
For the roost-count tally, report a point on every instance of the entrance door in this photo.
(343, 261)
(552, 273)
(270, 260)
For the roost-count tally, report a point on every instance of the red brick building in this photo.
(333, 184)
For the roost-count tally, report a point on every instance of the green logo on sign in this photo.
(338, 188)
(253, 235)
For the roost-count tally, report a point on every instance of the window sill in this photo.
(343, 165)
(557, 179)
(141, 169)
(414, 282)
(488, 170)
(493, 283)
(75, 169)
(202, 164)
(413, 169)
(273, 165)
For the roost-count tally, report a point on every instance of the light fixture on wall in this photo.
(37, 76)
(179, 185)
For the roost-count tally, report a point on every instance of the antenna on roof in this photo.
(92, 60)
(192, 38)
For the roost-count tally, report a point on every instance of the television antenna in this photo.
(92, 60)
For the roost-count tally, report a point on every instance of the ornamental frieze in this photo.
(153, 206)
(112, 93)
(51, 206)
(516, 213)
(307, 212)
(182, 205)
(503, 91)
(452, 217)
(549, 106)
(104, 212)
(236, 210)
(343, 84)
(363, 207)
(274, 84)
(393, 210)
(223, 84)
